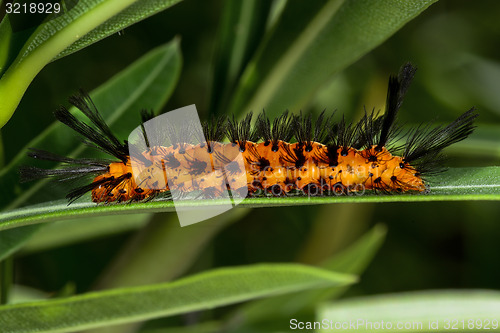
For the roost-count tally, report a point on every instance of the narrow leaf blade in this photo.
(419, 309)
(326, 38)
(203, 291)
(457, 184)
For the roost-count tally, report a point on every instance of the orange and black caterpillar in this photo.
(323, 158)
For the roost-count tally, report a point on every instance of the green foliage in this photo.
(145, 84)
(466, 310)
(456, 184)
(333, 33)
(198, 292)
(89, 21)
(240, 56)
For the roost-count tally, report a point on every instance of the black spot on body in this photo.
(233, 167)
(263, 163)
(197, 167)
(333, 157)
(301, 159)
(171, 162)
(276, 190)
(256, 183)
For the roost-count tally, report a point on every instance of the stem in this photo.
(30, 62)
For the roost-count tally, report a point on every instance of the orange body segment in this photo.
(262, 170)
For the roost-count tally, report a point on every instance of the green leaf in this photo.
(418, 309)
(483, 143)
(205, 327)
(12, 240)
(63, 233)
(456, 184)
(162, 241)
(356, 257)
(20, 294)
(203, 291)
(54, 36)
(138, 11)
(290, 66)
(146, 84)
(5, 39)
(242, 27)
(352, 260)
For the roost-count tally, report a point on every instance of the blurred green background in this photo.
(437, 245)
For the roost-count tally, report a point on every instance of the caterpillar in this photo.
(288, 155)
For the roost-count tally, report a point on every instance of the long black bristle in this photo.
(29, 173)
(422, 150)
(99, 135)
(241, 131)
(369, 129)
(306, 131)
(73, 168)
(215, 129)
(281, 129)
(146, 115)
(425, 144)
(344, 135)
(76, 193)
(85, 104)
(397, 88)
(48, 156)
